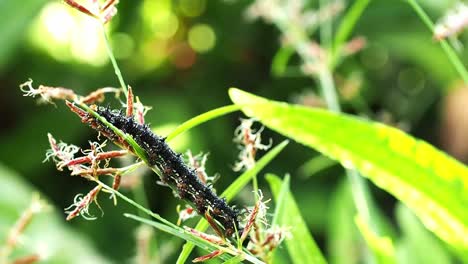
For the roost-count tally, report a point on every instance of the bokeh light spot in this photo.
(183, 56)
(122, 45)
(374, 57)
(159, 18)
(67, 35)
(192, 8)
(201, 38)
(411, 80)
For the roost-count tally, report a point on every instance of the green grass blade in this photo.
(176, 231)
(315, 165)
(344, 245)
(47, 227)
(346, 27)
(129, 139)
(179, 232)
(280, 193)
(171, 228)
(432, 184)
(234, 260)
(381, 246)
(301, 247)
(200, 119)
(451, 54)
(233, 189)
(280, 61)
(416, 244)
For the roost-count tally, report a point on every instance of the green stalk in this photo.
(300, 42)
(346, 27)
(451, 54)
(139, 190)
(114, 61)
(137, 205)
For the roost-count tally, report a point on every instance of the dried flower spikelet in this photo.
(275, 235)
(15, 234)
(34, 258)
(36, 206)
(212, 255)
(60, 153)
(309, 98)
(102, 12)
(198, 162)
(210, 238)
(185, 214)
(316, 17)
(350, 86)
(454, 21)
(293, 12)
(249, 142)
(47, 93)
(140, 110)
(266, 9)
(255, 214)
(98, 96)
(144, 234)
(81, 205)
(354, 45)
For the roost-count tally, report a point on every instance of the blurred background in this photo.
(180, 57)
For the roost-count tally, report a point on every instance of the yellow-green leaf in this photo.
(382, 246)
(301, 246)
(429, 182)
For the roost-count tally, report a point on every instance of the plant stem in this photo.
(452, 56)
(328, 90)
(359, 187)
(139, 190)
(345, 28)
(148, 212)
(301, 43)
(113, 60)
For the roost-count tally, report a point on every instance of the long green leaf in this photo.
(346, 27)
(197, 120)
(233, 189)
(16, 16)
(432, 184)
(344, 245)
(381, 246)
(449, 51)
(301, 246)
(179, 232)
(46, 234)
(416, 244)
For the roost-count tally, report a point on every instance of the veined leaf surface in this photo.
(429, 182)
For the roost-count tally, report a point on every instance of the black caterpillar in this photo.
(174, 171)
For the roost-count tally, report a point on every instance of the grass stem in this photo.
(449, 51)
(114, 61)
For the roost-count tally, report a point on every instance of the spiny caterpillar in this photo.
(175, 172)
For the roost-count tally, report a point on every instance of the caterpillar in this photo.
(175, 172)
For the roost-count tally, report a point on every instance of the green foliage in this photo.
(382, 247)
(233, 189)
(416, 241)
(47, 234)
(346, 27)
(428, 181)
(449, 51)
(344, 243)
(16, 17)
(200, 119)
(301, 246)
(431, 185)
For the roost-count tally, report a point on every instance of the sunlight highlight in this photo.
(68, 36)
